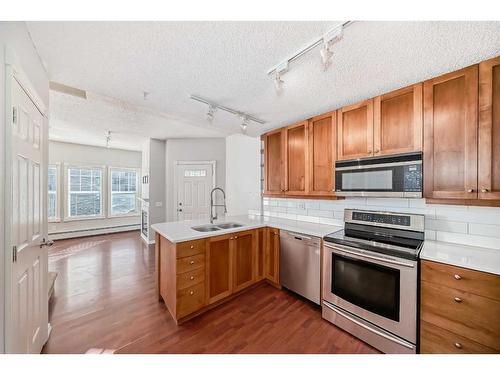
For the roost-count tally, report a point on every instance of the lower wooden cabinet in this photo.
(272, 255)
(193, 275)
(460, 310)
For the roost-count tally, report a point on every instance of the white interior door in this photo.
(28, 323)
(194, 183)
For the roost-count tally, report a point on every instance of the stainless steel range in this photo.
(370, 274)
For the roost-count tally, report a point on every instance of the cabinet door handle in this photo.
(457, 299)
(484, 190)
(191, 278)
(458, 345)
(192, 262)
(470, 191)
(377, 151)
(191, 292)
(457, 277)
(192, 246)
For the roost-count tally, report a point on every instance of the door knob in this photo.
(179, 210)
(46, 243)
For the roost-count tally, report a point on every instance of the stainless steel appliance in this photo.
(384, 176)
(300, 264)
(370, 275)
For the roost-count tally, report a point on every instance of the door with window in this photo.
(194, 183)
(27, 312)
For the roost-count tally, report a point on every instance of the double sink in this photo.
(216, 227)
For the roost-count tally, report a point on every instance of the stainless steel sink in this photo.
(216, 227)
(206, 228)
(229, 225)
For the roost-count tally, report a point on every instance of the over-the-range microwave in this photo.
(384, 176)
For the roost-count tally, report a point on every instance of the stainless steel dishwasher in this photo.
(300, 264)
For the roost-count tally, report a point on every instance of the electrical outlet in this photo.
(158, 204)
(301, 205)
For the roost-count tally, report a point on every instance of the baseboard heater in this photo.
(91, 231)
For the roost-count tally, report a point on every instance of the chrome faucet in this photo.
(212, 205)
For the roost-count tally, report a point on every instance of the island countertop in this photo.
(180, 231)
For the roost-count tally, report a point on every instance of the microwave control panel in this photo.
(413, 177)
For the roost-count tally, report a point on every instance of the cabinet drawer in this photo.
(473, 317)
(437, 340)
(480, 283)
(190, 263)
(190, 299)
(190, 248)
(190, 278)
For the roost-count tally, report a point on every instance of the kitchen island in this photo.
(198, 270)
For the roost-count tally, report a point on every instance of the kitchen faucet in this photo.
(212, 205)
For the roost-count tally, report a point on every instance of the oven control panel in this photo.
(373, 217)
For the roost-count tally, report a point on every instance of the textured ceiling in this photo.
(227, 63)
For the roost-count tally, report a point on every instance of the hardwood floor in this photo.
(105, 298)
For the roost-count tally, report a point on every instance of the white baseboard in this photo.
(93, 232)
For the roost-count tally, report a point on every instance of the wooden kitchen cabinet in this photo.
(489, 130)
(459, 310)
(245, 250)
(355, 131)
(261, 247)
(272, 255)
(450, 135)
(219, 267)
(274, 163)
(398, 121)
(322, 149)
(296, 159)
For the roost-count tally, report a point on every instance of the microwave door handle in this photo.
(367, 256)
(377, 332)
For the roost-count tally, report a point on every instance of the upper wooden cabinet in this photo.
(489, 129)
(274, 162)
(355, 131)
(398, 120)
(322, 154)
(296, 157)
(450, 135)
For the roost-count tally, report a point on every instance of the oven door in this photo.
(378, 288)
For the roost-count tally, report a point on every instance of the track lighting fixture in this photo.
(327, 40)
(213, 107)
(211, 111)
(108, 139)
(244, 123)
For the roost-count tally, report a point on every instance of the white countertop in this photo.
(472, 257)
(179, 231)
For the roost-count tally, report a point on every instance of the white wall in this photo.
(74, 154)
(469, 225)
(15, 35)
(242, 174)
(190, 150)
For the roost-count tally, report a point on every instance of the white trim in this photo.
(137, 171)
(94, 232)
(57, 218)
(177, 163)
(66, 216)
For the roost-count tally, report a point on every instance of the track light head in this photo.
(244, 124)
(278, 82)
(211, 111)
(108, 139)
(326, 55)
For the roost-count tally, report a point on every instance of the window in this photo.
(123, 191)
(84, 192)
(195, 173)
(52, 181)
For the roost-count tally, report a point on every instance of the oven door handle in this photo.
(367, 327)
(367, 256)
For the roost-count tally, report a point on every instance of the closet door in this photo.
(489, 129)
(450, 135)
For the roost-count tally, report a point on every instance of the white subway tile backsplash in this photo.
(489, 230)
(320, 213)
(446, 226)
(386, 202)
(470, 225)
